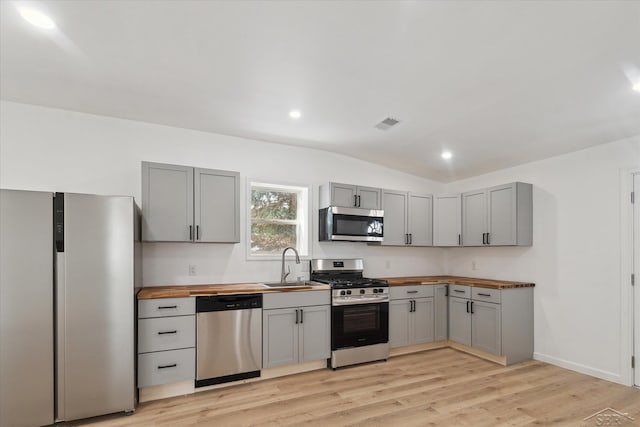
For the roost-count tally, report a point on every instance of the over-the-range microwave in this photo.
(350, 224)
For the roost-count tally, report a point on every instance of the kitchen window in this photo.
(278, 218)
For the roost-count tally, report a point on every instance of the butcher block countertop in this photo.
(456, 280)
(178, 291)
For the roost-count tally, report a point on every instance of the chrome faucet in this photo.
(283, 275)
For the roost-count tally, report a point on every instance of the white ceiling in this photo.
(498, 83)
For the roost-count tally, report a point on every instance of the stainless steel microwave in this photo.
(350, 224)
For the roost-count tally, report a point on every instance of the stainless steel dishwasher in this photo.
(229, 345)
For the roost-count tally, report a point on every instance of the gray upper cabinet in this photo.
(217, 206)
(474, 218)
(167, 202)
(407, 218)
(498, 216)
(185, 204)
(350, 196)
(447, 220)
(394, 204)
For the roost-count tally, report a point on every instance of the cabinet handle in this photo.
(483, 238)
(297, 317)
(197, 232)
(446, 291)
(459, 239)
(355, 201)
(191, 232)
(412, 292)
(167, 332)
(301, 316)
(410, 238)
(484, 295)
(471, 307)
(467, 306)
(162, 307)
(359, 201)
(488, 241)
(459, 291)
(173, 365)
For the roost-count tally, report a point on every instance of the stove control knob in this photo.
(341, 292)
(375, 291)
(362, 291)
(380, 291)
(348, 292)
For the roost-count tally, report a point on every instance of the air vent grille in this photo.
(387, 123)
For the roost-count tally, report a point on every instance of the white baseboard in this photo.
(583, 369)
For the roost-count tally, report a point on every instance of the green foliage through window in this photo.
(275, 222)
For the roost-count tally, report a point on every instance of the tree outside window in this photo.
(279, 218)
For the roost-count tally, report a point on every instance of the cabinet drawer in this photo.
(485, 294)
(295, 299)
(166, 367)
(166, 333)
(415, 291)
(163, 307)
(460, 291)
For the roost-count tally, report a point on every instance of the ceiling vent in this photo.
(387, 123)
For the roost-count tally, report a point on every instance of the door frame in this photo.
(627, 297)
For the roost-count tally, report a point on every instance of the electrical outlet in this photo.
(387, 264)
(474, 264)
(192, 270)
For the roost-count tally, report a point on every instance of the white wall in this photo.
(58, 150)
(575, 259)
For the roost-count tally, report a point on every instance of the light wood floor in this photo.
(439, 387)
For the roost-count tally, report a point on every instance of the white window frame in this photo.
(303, 235)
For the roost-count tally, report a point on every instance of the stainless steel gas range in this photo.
(359, 311)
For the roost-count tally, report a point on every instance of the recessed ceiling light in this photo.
(636, 87)
(295, 114)
(446, 155)
(37, 18)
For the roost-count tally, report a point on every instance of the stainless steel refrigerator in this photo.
(67, 291)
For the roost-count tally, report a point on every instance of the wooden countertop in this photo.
(469, 281)
(178, 291)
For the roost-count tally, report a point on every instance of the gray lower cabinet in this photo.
(295, 329)
(441, 311)
(411, 315)
(498, 321)
(185, 204)
(166, 341)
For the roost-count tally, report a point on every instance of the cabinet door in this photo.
(280, 337)
(217, 206)
(394, 204)
(420, 219)
(369, 198)
(441, 312)
(315, 333)
(474, 218)
(486, 327)
(502, 214)
(399, 323)
(459, 321)
(447, 220)
(343, 195)
(167, 202)
(422, 321)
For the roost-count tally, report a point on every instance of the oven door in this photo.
(359, 325)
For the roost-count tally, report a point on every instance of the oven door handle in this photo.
(354, 301)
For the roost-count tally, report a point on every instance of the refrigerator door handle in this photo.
(60, 337)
